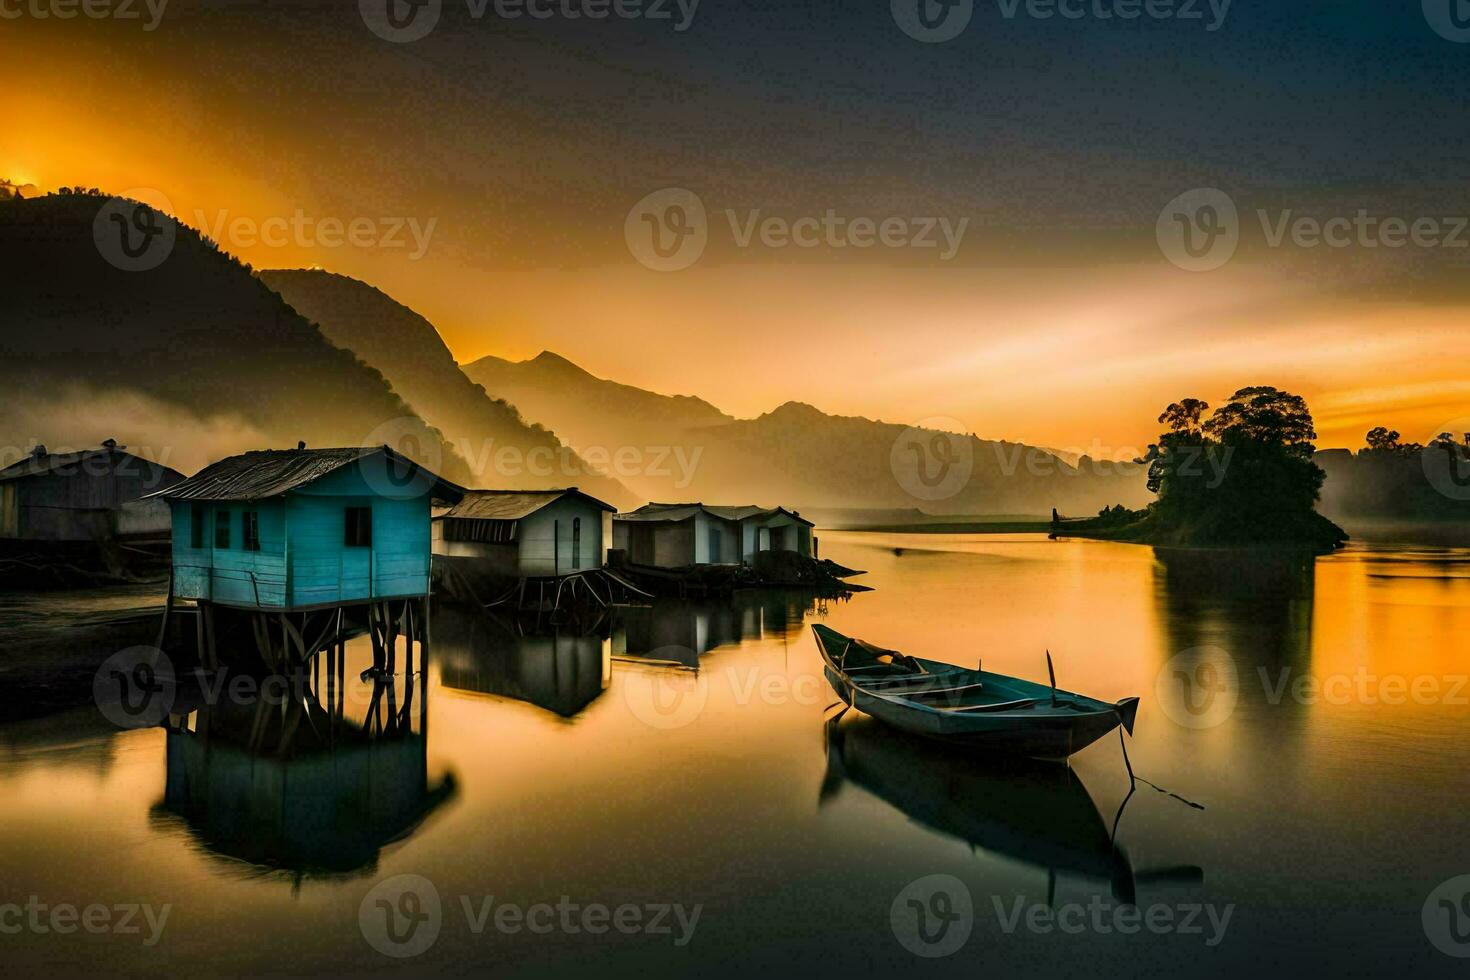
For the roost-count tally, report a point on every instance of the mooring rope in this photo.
(1134, 777)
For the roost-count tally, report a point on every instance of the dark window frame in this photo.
(198, 532)
(250, 530)
(576, 543)
(222, 521)
(357, 527)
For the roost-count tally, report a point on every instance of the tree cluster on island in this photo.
(1241, 476)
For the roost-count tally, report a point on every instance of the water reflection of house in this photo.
(560, 672)
(84, 496)
(307, 794)
(680, 535)
(681, 631)
(526, 534)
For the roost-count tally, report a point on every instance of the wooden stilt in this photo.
(392, 643)
(424, 670)
(199, 633)
(168, 608)
(209, 637)
(374, 614)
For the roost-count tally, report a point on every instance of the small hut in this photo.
(87, 496)
(305, 528)
(526, 533)
(288, 540)
(684, 535)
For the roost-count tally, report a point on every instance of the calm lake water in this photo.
(1317, 710)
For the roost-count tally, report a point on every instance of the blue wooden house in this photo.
(304, 529)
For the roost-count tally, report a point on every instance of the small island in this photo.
(1242, 477)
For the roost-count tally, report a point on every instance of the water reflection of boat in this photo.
(302, 790)
(1039, 815)
(680, 631)
(971, 707)
(560, 671)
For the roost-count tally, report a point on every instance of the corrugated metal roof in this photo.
(34, 465)
(650, 513)
(661, 512)
(738, 513)
(511, 505)
(273, 472)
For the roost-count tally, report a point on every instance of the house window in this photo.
(359, 531)
(221, 529)
(198, 518)
(576, 542)
(714, 546)
(250, 530)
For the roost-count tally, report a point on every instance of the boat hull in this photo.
(1048, 738)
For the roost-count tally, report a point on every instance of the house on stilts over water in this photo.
(528, 548)
(288, 544)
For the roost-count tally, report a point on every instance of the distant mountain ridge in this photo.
(796, 454)
(198, 337)
(408, 350)
(605, 413)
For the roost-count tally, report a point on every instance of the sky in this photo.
(1032, 176)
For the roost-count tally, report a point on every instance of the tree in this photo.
(1245, 475)
(1183, 416)
(1265, 416)
(1381, 439)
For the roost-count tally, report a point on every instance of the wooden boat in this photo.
(976, 708)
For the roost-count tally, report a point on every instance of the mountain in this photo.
(501, 448)
(602, 413)
(813, 459)
(683, 448)
(196, 339)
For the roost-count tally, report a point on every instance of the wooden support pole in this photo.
(375, 637)
(168, 608)
(392, 625)
(199, 633)
(424, 671)
(210, 636)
